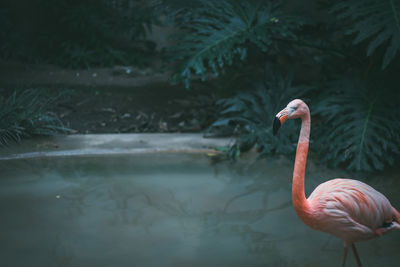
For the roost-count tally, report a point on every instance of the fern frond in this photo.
(375, 20)
(27, 113)
(359, 128)
(218, 32)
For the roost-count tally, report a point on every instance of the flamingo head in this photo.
(295, 109)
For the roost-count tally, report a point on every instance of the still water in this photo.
(168, 210)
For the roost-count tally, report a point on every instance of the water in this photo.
(167, 210)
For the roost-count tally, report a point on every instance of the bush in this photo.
(352, 94)
(359, 125)
(27, 113)
(248, 114)
(217, 33)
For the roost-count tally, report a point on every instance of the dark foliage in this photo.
(360, 125)
(249, 114)
(344, 56)
(27, 113)
(217, 33)
(354, 119)
(375, 21)
(75, 33)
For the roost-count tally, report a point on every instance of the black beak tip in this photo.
(276, 126)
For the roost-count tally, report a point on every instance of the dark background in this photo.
(220, 67)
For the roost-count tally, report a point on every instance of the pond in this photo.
(168, 209)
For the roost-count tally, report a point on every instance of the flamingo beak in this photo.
(280, 118)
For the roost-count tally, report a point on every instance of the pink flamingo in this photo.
(348, 209)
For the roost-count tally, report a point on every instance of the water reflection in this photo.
(166, 210)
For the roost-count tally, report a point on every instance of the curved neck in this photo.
(298, 195)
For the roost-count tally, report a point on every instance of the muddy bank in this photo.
(121, 99)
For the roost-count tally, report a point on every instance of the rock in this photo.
(126, 116)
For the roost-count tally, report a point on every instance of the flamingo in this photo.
(348, 209)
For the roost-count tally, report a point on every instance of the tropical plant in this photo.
(375, 21)
(352, 126)
(250, 115)
(359, 124)
(27, 113)
(219, 32)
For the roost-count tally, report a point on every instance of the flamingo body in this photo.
(348, 209)
(351, 210)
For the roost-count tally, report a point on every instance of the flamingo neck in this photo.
(300, 202)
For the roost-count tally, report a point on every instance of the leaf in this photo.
(27, 113)
(221, 122)
(252, 112)
(359, 125)
(218, 33)
(375, 20)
